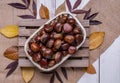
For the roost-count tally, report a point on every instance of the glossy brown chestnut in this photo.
(34, 47)
(62, 19)
(58, 27)
(69, 38)
(67, 28)
(71, 21)
(44, 38)
(51, 63)
(58, 56)
(77, 31)
(48, 28)
(64, 53)
(37, 38)
(43, 63)
(48, 53)
(57, 43)
(72, 50)
(42, 31)
(78, 38)
(37, 57)
(65, 46)
(58, 36)
(50, 43)
(30, 52)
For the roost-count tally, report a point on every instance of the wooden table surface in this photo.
(109, 14)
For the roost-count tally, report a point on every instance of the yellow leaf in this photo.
(61, 8)
(27, 73)
(44, 12)
(10, 31)
(96, 39)
(11, 53)
(91, 69)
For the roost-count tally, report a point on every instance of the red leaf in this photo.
(27, 2)
(69, 5)
(58, 77)
(18, 5)
(64, 72)
(77, 3)
(11, 64)
(92, 16)
(27, 16)
(12, 69)
(78, 11)
(52, 79)
(34, 7)
(95, 22)
(87, 14)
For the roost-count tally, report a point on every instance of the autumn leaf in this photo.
(61, 8)
(96, 39)
(44, 12)
(91, 69)
(27, 73)
(9, 31)
(11, 53)
(12, 66)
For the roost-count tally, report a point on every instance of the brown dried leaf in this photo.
(44, 12)
(64, 71)
(91, 69)
(96, 39)
(61, 8)
(11, 53)
(27, 73)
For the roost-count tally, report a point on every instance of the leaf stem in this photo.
(31, 11)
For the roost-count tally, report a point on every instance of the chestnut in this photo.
(67, 28)
(34, 47)
(51, 63)
(43, 63)
(48, 28)
(57, 43)
(50, 43)
(58, 27)
(48, 53)
(78, 38)
(44, 38)
(71, 50)
(58, 56)
(62, 19)
(71, 21)
(42, 31)
(36, 57)
(65, 46)
(42, 49)
(64, 53)
(52, 34)
(69, 38)
(58, 36)
(77, 31)
(37, 38)
(30, 52)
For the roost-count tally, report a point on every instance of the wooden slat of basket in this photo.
(22, 41)
(69, 63)
(34, 22)
(80, 53)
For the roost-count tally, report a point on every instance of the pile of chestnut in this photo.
(55, 40)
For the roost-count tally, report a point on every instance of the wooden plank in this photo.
(69, 63)
(80, 53)
(34, 22)
(28, 32)
(22, 41)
